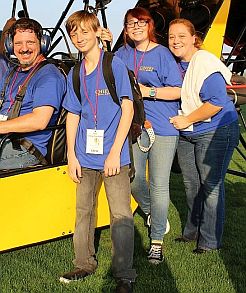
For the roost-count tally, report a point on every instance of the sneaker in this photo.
(167, 227)
(75, 275)
(155, 255)
(124, 286)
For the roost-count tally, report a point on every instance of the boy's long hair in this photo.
(89, 20)
(142, 14)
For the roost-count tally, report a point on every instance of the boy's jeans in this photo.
(122, 228)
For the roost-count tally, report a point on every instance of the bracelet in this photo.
(152, 92)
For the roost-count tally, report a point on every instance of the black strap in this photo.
(7, 81)
(15, 111)
(76, 80)
(110, 82)
(109, 76)
(29, 146)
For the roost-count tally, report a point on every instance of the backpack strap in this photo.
(15, 111)
(110, 82)
(76, 80)
(109, 76)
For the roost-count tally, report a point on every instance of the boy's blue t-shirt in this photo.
(46, 88)
(108, 115)
(214, 91)
(158, 69)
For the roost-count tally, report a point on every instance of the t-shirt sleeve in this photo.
(71, 101)
(49, 89)
(170, 74)
(122, 82)
(214, 90)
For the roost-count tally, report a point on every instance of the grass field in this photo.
(37, 269)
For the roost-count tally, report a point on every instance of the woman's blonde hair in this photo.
(189, 25)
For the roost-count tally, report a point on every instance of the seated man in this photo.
(41, 102)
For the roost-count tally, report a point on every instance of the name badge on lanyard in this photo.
(94, 141)
(3, 117)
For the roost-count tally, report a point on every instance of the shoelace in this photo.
(155, 251)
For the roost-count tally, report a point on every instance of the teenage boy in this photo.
(97, 142)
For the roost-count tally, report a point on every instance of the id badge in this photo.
(94, 141)
(3, 117)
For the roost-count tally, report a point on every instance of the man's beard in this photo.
(25, 64)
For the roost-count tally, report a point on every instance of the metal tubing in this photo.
(64, 13)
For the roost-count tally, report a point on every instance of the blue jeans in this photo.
(14, 159)
(121, 222)
(204, 160)
(153, 197)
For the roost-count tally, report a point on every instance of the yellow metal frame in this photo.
(214, 39)
(40, 205)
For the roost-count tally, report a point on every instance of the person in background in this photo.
(98, 150)
(209, 132)
(158, 75)
(3, 61)
(41, 103)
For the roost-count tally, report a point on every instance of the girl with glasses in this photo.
(160, 81)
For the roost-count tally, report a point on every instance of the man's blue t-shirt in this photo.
(158, 69)
(108, 114)
(46, 88)
(213, 91)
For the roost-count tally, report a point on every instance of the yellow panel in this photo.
(215, 37)
(39, 206)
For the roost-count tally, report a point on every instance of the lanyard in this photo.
(23, 84)
(137, 66)
(93, 109)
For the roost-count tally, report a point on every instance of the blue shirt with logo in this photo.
(157, 69)
(108, 114)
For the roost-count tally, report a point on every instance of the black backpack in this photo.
(139, 114)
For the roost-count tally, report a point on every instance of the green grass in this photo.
(37, 269)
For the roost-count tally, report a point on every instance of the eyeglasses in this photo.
(140, 22)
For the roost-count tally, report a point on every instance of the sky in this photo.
(47, 12)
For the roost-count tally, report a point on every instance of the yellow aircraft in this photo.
(38, 203)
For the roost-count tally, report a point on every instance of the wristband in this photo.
(152, 92)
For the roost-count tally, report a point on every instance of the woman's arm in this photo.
(206, 111)
(161, 93)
